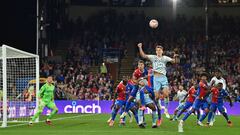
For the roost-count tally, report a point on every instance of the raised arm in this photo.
(142, 54)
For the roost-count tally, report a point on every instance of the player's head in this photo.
(142, 82)
(204, 76)
(159, 50)
(180, 87)
(149, 64)
(125, 80)
(219, 85)
(141, 64)
(49, 79)
(193, 82)
(218, 73)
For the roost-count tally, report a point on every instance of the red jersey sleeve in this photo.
(201, 84)
(116, 90)
(136, 74)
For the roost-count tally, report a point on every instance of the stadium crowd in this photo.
(108, 29)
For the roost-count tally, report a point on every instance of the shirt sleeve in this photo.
(41, 92)
(185, 93)
(178, 95)
(167, 59)
(212, 80)
(151, 57)
(136, 74)
(224, 84)
(201, 84)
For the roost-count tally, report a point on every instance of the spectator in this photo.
(103, 69)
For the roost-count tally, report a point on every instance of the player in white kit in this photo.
(181, 94)
(160, 81)
(214, 81)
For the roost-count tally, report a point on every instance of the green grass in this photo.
(95, 124)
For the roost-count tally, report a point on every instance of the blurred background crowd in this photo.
(110, 30)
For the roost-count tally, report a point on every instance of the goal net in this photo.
(19, 85)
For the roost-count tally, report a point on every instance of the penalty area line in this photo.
(57, 119)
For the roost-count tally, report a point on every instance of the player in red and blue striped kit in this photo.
(139, 73)
(218, 94)
(121, 93)
(200, 102)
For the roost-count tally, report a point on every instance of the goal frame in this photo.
(4, 58)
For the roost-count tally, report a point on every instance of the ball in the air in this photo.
(153, 23)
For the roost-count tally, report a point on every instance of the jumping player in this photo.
(160, 81)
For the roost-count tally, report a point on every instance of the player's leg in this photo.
(53, 107)
(130, 99)
(165, 91)
(39, 111)
(178, 109)
(131, 115)
(186, 106)
(115, 109)
(134, 110)
(155, 102)
(195, 106)
(141, 117)
(118, 104)
(180, 125)
(154, 114)
(198, 114)
(221, 109)
(157, 93)
(212, 109)
(123, 120)
(212, 120)
(142, 100)
(151, 105)
(205, 107)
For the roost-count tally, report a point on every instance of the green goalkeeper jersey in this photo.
(47, 92)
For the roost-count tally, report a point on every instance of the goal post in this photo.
(19, 85)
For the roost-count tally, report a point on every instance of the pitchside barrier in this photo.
(21, 109)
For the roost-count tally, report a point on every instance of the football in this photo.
(153, 23)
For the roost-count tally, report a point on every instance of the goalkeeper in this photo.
(46, 98)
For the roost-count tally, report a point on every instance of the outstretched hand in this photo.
(139, 45)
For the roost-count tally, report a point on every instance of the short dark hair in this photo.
(141, 61)
(204, 74)
(218, 70)
(158, 45)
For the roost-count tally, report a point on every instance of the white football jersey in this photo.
(159, 63)
(216, 81)
(181, 95)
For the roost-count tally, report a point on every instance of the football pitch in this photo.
(95, 124)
